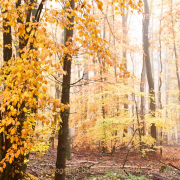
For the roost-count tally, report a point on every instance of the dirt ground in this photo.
(84, 164)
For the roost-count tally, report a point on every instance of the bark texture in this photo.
(65, 99)
(146, 57)
(124, 30)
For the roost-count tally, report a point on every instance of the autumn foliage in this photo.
(106, 102)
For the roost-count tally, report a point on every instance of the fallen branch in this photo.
(169, 164)
(173, 166)
(129, 148)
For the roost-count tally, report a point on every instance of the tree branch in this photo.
(39, 10)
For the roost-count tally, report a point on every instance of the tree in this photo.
(23, 82)
(63, 132)
(7, 55)
(146, 57)
(125, 32)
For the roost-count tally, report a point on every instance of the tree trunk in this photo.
(124, 29)
(115, 132)
(65, 97)
(7, 54)
(21, 166)
(160, 80)
(148, 65)
(57, 96)
(175, 51)
(142, 89)
(103, 142)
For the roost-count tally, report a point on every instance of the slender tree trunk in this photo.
(57, 93)
(142, 110)
(124, 29)
(103, 97)
(175, 50)
(167, 80)
(148, 65)
(65, 99)
(160, 80)
(103, 142)
(142, 89)
(117, 98)
(57, 96)
(103, 113)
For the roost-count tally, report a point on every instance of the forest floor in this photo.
(84, 164)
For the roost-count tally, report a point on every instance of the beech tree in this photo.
(23, 82)
(146, 57)
(63, 132)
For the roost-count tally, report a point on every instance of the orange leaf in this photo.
(4, 165)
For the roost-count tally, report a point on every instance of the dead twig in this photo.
(128, 152)
(173, 166)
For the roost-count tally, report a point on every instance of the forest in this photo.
(89, 89)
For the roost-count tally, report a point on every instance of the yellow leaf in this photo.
(2, 109)
(19, 91)
(2, 129)
(12, 139)
(28, 29)
(22, 152)
(19, 105)
(44, 88)
(19, 74)
(9, 122)
(11, 108)
(17, 153)
(24, 109)
(13, 131)
(40, 96)
(67, 4)
(4, 165)
(10, 161)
